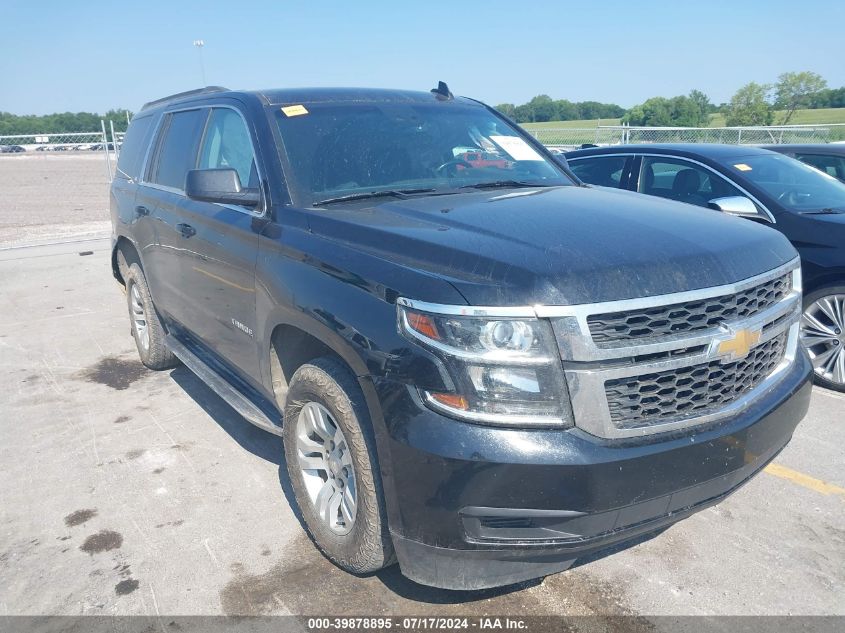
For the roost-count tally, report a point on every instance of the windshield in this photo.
(336, 150)
(797, 186)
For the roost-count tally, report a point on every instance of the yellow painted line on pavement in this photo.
(804, 480)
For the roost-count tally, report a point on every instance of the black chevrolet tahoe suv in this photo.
(482, 369)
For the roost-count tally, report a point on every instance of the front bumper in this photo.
(473, 506)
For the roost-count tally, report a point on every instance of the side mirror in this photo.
(735, 205)
(222, 186)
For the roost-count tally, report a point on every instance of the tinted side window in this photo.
(683, 181)
(605, 171)
(134, 148)
(177, 151)
(227, 144)
(831, 165)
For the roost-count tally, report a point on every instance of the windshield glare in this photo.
(345, 149)
(797, 186)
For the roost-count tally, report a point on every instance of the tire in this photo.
(325, 387)
(823, 335)
(146, 326)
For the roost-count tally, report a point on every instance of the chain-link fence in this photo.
(55, 186)
(61, 142)
(570, 138)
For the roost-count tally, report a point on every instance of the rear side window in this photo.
(831, 165)
(605, 171)
(134, 148)
(177, 152)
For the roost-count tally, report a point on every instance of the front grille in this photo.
(612, 328)
(693, 391)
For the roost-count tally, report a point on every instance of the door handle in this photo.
(186, 230)
(141, 211)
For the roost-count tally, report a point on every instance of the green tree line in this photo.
(58, 123)
(752, 104)
(692, 110)
(544, 108)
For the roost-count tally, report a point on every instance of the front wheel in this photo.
(333, 468)
(823, 335)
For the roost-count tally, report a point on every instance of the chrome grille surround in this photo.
(588, 366)
(615, 328)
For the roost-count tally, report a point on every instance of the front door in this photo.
(218, 270)
(682, 180)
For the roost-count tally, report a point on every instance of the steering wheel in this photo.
(789, 197)
(452, 163)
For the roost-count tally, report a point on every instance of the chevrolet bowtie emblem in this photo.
(739, 346)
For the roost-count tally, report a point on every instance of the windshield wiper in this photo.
(388, 193)
(826, 211)
(501, 184)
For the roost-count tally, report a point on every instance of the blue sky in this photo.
(92, 55)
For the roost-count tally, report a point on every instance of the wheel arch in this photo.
(124, 254)
(293, 344)
(827, 279)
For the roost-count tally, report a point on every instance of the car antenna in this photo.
(442, 92)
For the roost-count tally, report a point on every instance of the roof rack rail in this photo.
(187, 93)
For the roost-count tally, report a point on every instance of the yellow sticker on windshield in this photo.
(294, 110)
(742, 167)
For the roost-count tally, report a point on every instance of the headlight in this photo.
(506, 370)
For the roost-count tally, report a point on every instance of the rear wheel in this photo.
(333, 469)
(823, 335)
(146, 327)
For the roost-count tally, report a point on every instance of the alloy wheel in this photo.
(139, 318)
(823, 335)
(326, 466)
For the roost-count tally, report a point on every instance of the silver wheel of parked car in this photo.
(145, 325)
(823, 335)
(326, 466)
(139, 319)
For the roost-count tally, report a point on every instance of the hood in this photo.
(558, 246)
(820, 238)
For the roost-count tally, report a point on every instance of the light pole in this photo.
(199, 44)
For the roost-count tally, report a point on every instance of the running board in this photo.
(222, 388)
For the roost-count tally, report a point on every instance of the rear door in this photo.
(162, 198)
(218, 270)
(603, 170)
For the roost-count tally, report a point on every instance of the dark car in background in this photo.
(805, 205)
(11, 149)
(826, 157)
